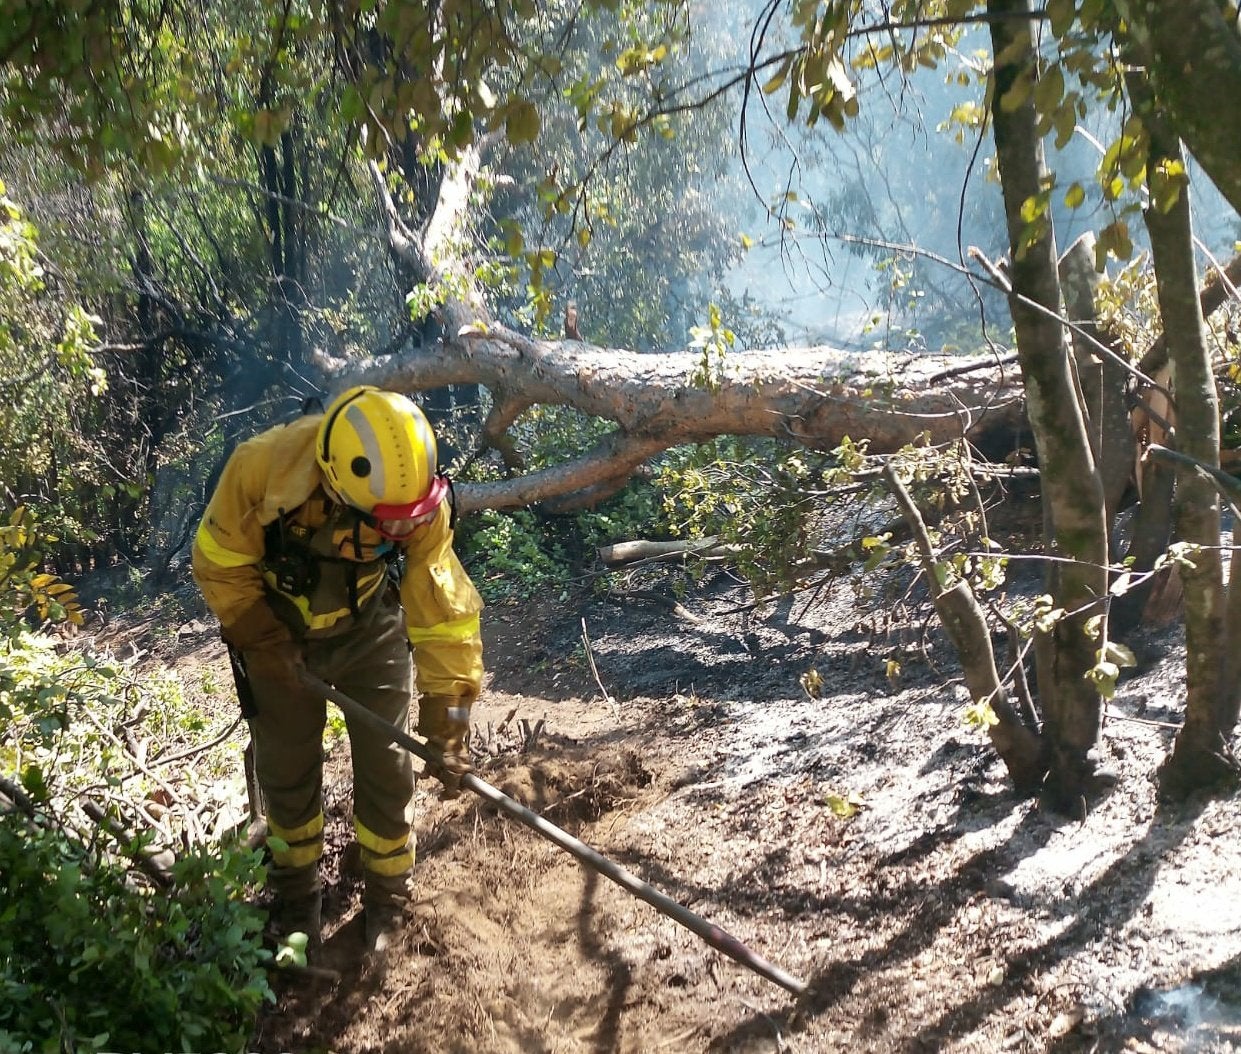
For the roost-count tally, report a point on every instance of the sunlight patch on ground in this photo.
(1069, 862)
(1178, 905)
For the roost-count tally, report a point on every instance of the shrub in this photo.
(94, 961)
(96, 955)
(511, 555)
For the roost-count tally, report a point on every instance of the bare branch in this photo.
(612, 456)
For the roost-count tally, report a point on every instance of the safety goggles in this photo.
(398, 522)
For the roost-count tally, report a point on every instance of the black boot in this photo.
(299, 902)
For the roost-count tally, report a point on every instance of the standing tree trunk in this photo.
(1073, 499)
(966, 625)
(1201, 756)
(1102, 379)
(1192, 52)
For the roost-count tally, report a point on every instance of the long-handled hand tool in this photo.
(661, 902)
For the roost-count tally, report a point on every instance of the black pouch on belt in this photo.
(245, 691)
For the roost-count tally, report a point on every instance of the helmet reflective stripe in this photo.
(377, 449)
(427, 438)
(325, 430)
(370, 448)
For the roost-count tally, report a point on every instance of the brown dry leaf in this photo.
(1066, 1021)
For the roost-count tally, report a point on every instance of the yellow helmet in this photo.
(378, 452)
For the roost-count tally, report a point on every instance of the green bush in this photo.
(95, 956)
(511, 555)
(519, 554)
(93, 961)
(756, 495)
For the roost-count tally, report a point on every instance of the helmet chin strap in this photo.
(330, 491)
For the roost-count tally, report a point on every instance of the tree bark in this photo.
(1200, 755)
(812, 396)
(1102, 379)
(1072, 489)
(1192, 52)
(643, 551)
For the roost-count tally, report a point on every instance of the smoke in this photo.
(826, 210)
(1199, 1019)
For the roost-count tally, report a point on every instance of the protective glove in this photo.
(267, 647)
(255, 628)
(281, 664)
(445, 722)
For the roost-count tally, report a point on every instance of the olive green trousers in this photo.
(370, 662)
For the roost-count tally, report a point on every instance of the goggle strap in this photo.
(452, 500)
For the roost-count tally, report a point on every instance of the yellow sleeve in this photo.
(229, 543)
(442, 614)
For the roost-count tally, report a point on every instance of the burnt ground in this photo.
(943, 914)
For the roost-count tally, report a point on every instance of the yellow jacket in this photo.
(274, 476)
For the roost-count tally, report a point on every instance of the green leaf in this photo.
(351, 107)
(842, 805)
(778, 78)
(980, 716)
(1104, 675)
(1074, 196)
(1114, 239)
(514, 241)
(461, 134)
(33, 783)
(1018, 93)
(794, 101)
(1034, 207)
(1061, 13)
(290, 955)
(522, 122)
(1119, 654)
(1123, 583)
(1049, 90)
(1166, 181)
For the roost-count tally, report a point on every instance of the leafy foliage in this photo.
(756, 496)
(50, 377)
(514, 555)
(511, 555)
(94, 964)
(715, 341)
(1075, 82)
(126, 84)
(22, 585)
(96, 956)
(617, 197)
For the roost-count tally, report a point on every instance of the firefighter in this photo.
(326, 549)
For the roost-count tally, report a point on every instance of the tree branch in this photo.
(614, 455)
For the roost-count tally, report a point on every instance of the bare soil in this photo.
(944, 914)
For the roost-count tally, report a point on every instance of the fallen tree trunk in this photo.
(815, 397)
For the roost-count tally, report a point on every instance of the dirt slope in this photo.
(944, 915)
